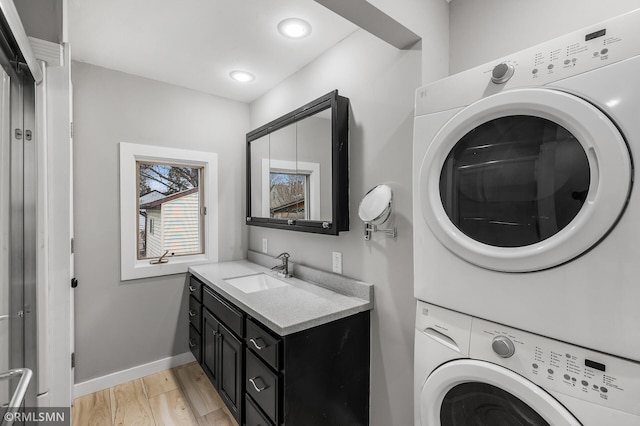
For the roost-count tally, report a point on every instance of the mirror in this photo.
(375, 209)
(297, 171)
(375, 206)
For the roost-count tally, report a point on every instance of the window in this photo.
(169, 196)
(168, 207)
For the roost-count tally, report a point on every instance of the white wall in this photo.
(430, 20)
(125, 324)
(481, 31)
(380, 82)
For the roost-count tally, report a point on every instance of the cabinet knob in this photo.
(192, 313)
(258, 384)
(258, 343)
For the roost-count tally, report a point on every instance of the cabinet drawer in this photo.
(263, 386)
(254, 416)
(227, 314)
(263, 343)
(195, 313)
(195, 288)
(195, 343)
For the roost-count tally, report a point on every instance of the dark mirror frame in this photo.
(339, 106)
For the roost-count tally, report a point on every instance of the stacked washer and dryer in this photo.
(527, 236)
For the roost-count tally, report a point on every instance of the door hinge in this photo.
(72, 247)
(71, 129)
(18, 134)
(203, 211)
(73, 359)
(74, 282)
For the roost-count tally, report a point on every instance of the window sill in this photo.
(175, 265)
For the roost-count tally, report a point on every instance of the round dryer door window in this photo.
(525, 180)
(478, 393)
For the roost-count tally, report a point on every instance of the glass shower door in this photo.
(8, 350)
(18, 332)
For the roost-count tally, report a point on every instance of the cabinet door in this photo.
(210, 343)
(230, 375)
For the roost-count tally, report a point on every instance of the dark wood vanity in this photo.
(315, 377)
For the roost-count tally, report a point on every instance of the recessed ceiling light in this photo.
(294, 28)
(242, 76)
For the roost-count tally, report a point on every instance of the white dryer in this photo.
(525, 210)
(471, 372)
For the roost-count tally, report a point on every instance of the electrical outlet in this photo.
(337, 262)
(264, 245)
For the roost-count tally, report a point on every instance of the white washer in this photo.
(525, 211)
(461, 380)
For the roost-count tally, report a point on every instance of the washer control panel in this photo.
(580, 51)
(558, 366)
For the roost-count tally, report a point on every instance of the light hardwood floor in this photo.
(181, 396)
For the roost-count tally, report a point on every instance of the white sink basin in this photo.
(253, 283)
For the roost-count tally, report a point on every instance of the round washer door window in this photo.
(525, 180)
(478, 393)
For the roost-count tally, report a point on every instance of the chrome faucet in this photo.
(283, 269)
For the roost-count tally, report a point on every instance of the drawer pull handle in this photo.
(259, 387)
(191, 344)
(258, 343)
(192, 313)
(192, 288)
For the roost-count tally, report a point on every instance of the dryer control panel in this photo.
(572, 370)
(580, 51)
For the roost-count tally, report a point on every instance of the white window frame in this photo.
(312, 170)
(132, 268)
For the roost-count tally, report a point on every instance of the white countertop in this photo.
(285, 310)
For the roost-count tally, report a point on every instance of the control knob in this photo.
(502, 346)
(502, 73)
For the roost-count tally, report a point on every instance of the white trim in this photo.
(285, 166)
(130, 267)
(47, 51)
(119, 377)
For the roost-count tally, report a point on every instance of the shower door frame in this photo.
(22, 219)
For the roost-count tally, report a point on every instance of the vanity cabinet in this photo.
(194, 289)
(314, 377)
(223, 350)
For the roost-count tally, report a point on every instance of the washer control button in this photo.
(550, 371)
(502, 73)
(604, 51)
(603, 389)
(585, 383)
(503, 346)
(567, 377)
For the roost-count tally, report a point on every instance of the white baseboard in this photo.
(119, 377)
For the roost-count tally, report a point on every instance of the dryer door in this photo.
(525, 180)
(478, 393)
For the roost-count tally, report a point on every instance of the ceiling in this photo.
(197, 43)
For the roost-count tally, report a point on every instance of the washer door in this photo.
(478, 393)
(525, 180)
